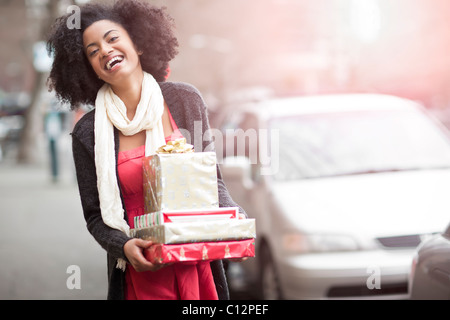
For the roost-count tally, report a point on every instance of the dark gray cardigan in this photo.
(189, 113)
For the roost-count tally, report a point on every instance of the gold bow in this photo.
(176, 146)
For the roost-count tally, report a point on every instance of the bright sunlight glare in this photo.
(365, 19)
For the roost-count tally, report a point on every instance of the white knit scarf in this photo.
(111, 111)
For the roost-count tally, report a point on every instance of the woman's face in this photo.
(111, 52)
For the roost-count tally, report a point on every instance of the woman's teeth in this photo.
(112, 62)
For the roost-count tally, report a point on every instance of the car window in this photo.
(343, 143)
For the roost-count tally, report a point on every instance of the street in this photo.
(43, 238)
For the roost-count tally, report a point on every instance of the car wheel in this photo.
(268, 278)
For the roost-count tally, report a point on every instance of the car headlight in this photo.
(303, 243)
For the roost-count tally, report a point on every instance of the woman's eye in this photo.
(93, 52)
(113, 39)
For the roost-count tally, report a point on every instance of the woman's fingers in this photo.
(134, 251)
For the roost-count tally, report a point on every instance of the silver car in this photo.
(343, 189)
(430, 276)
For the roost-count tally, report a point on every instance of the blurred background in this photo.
(231, 51)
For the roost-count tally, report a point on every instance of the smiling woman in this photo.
(118, 61)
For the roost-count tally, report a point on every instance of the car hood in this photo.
(375, 205)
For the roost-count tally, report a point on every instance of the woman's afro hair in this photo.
(149, 27)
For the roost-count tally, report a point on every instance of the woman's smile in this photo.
(113, 63)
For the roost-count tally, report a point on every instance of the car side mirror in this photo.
(237, 170)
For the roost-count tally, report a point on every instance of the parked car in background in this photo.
(343, 189)
(430, 275)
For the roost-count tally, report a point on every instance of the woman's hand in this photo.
(134, 251)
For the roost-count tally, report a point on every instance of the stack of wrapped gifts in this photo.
(182, 214)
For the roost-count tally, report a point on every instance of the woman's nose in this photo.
(106, 50)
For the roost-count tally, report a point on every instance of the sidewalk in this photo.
(42, 233)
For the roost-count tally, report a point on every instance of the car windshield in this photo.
(344, 143)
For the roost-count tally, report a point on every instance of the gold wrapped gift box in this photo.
(180, 181)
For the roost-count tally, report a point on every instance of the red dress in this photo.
(193, 281)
